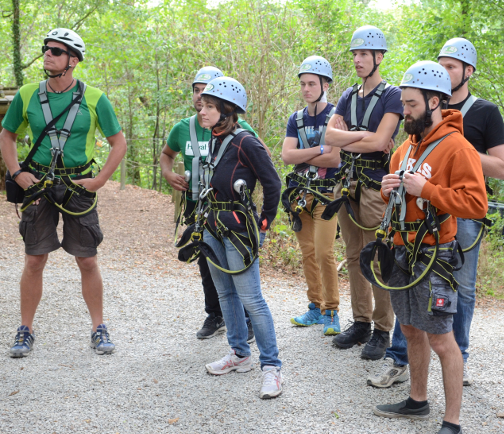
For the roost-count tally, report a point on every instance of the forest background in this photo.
(144, 55)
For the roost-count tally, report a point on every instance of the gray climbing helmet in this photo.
(68, 37)
(228, 89)
(368, 38)
(316, 65)
(207, 74)
(427, 75)
(460, 49)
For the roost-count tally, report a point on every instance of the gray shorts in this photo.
(81, 235)
(430, 305)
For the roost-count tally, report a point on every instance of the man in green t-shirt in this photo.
(179, 141)
(67, 186)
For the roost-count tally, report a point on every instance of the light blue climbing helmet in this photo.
(368, 38)
(228, 89)
(207, 74)
(460, 49)
(427, 75)
(316, 65)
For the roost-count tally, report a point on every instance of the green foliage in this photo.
(144, 55)
(491, 263)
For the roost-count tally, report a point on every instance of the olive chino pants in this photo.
(368, 213)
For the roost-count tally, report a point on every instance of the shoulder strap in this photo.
(48, 127)
(73, 109)
(329, 116)
(353, 106)
(196, 161)
(374, 100)
(467, 105)
(211, 165)
(301, 130)
(402, 190)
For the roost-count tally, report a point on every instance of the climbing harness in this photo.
(486, 223)
(394, 218)
(57, 167)
(191, 242)
(308, 183)
(353, 165)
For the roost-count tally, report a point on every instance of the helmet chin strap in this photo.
(61, 74)
(428, 111)
(375, 65)
(464, 80)
(321, 95)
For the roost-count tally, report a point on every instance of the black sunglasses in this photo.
(55, 51)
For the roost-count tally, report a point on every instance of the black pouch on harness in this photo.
(385, 260)
(443, 299)
(15, 193)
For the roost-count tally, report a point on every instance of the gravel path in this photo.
(156, 382)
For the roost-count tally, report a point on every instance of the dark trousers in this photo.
(212, 305)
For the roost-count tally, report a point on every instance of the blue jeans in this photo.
(467, 231)
(237, 291)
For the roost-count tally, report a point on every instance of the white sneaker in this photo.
(271, 382)
(467, 376)
(390, 374)
(230, 362)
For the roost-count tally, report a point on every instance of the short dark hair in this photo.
(432, 93)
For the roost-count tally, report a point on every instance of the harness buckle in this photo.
(300, 206)
(196, 236)
(380, 233)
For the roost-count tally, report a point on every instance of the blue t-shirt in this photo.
(389, 102)
(313, 126)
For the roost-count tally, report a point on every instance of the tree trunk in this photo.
(16, 44)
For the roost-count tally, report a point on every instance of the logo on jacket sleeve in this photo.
(440, 302)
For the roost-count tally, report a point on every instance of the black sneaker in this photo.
(213, 325)
(401, 411)
(377, 345)
(358, 333)
(250, 336)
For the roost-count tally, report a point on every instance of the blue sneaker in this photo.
(100, 340)
(313, 316)
(331, 322)
(23, 343)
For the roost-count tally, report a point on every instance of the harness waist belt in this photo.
(66, 171)
(317, 183)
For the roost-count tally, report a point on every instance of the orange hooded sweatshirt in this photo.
(455, 182)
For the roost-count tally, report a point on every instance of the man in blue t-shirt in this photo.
(370, 114)
(304, 147)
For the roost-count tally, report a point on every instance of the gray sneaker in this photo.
(23, 343)
(100, 340)
(400, 410)
(389, 374)
(468, 380)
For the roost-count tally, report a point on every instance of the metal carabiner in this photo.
(204, 192)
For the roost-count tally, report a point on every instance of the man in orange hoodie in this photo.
(443, 179)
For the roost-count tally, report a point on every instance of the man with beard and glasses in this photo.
(484, 129)
(442, 177)
(180, 141)
(366, 121)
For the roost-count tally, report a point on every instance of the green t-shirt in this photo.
(95, 111)
(179, 140)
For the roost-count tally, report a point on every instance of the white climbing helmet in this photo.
(68, 37)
